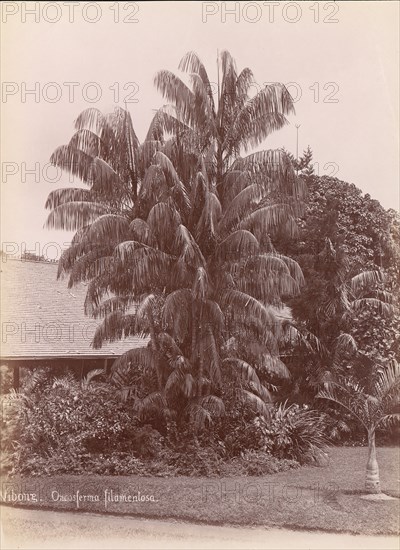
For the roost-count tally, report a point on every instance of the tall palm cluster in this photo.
(175, 239)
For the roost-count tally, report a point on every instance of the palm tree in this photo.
(175, 236)
(372, 407)
(219, 130)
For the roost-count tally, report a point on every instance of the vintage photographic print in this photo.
(200, 252)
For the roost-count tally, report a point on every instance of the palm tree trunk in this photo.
(201, 355)
(220, 168)
(194, 336)
(155, 347)
(372, 483)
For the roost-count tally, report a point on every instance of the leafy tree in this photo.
(325, 312)
(337, 210)
(372, 406)
(364, 238)
(304, 163)
(174, 238)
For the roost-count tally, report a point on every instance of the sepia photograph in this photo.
(200, 275)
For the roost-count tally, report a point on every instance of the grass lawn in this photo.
(324, 498)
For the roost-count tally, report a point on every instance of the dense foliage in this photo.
(197, 244)
(62, 425)
(348, 251)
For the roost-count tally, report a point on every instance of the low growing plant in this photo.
(295, 433)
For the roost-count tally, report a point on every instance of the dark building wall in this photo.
(20, 368)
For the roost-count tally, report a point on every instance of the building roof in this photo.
(42, 318)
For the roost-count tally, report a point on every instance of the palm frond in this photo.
(90, 376)
(87, 141)
(104, 179)
(191, 63)
(176, 313)
(245, 371)
(269, 218)
(384, 309)
(243, 305)
(352, 399)
(74, 161)
(387, 384)
(273, 164)
(214, 405)
(91, 119)
(108, 227)
(74, 215)
(239, 244)
(255, 402)
(260, 116)
(274, 365)
(145, 313)
(115, 326)
(198, 416)
(345, 344)
(163, 221)
(365, 280)
(116, 303)
(62, 196)
(92, 265)
(140, 232)
(142, 356)
(169, 170)
(148, 265)
(177, 92)
(190, 252)
(212, 314)
(209, 354)
(242, 204)
(153, 403)
(169, 347)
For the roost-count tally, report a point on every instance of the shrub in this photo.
(63, 425)
(187, 454)
(69, 463)
(65, 422)
(6, 379)
(243, 436)
(239, 430)
(295, 433)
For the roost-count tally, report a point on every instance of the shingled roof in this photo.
(42, 318)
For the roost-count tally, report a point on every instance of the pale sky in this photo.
(343, 75)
